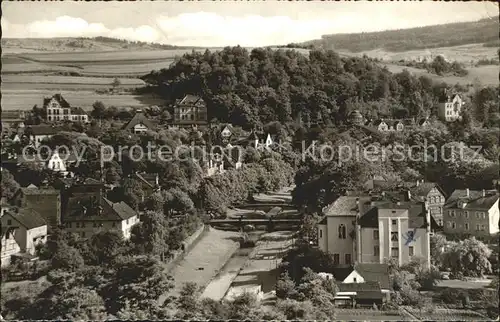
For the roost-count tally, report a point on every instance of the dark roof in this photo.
(78, 111)
(39, 191)
(139, 118)
(374, 273)
(58, 98)
(369, 295)
(190, 100)
(423, 188)
(474, 201)
(77, 181)
(41, 129)
(340, 272)
(447, 96)
(369, 211)
(422, 121)
(147, 178)
(108, 211)
(343, 206)
(357, 287)
(29, 218)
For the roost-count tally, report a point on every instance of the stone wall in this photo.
(187, 245)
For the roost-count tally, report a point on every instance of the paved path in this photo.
(203, 262)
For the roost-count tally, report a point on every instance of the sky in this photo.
(227, 23)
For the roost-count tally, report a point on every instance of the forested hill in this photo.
(447, 35)
(265, 85)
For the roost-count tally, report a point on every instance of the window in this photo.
(114, 224)
(354, 279)
(342, 232)
(453, 225)
(452, 213)
(321, 233)
(376, 250)
(484, 215)
(83, 225)
(483, 227)
(127, 221)
(375, 234)
(440, 222)
(95, 225)
(466, 226)
(411, 251)
(336, 259)
(83, 234)
(477, 227)
(478, 214)
(9, 222)
(77, 225)
(394, 252)
(466, 214)
(394, 236)
(394, 222)
(348, 258)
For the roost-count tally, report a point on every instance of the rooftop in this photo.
(139, 118)
(59, 98)
(474, 200)
(28, 218)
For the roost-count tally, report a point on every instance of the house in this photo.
(431, 193)
(190, 111)
(139, 123)
(388, 125)
(212, 164)
(450, 107)
(45, 200)
(363, 284)
(373, 229)
(471, 212)
(356, 118)
(37, 133)
(12, 122)
(259, 140)
(226, 132)
(424, 122)
(93, 214)
(22, 230)
(59, 163)
(58, 109)
(149, 183)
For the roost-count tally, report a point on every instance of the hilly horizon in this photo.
(398, 40)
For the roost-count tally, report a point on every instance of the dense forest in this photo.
(250, 89)
(453, 34)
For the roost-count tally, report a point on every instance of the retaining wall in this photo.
(187, 245)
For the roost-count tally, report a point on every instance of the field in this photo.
(369, 315)
(486, 75)
(25, 99)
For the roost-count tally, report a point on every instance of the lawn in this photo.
(25, 99)
(446, 315)
(369, 315)
(68, 80)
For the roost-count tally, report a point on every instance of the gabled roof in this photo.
(343, 206)
(374, 273)
(369, 211)
(108, 211)
(356, 287)
(341, 272)
(423, 188)
(78, 111)
(422, 121)
(30, 191)
(139, 118)
(28, 218)
(59, 98)
(41, 129)
(147, 178)
(474, 201)
(191, 100)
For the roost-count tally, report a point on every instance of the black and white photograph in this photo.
(250, 160)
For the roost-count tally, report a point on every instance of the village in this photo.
(240, 165)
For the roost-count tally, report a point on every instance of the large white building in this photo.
(450, 107)
(58, 109)
(373, 229)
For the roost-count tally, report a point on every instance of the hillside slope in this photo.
(30, 45)
(447, 35)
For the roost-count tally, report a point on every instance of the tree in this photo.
(105, 246)
(151, 235)
(98, 110)
(285, 286)
(438, 244)
(9, 186)
(177, 201)
(67, 258)
(116, 82)
(468, 257)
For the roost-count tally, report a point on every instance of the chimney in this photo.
(467, 193)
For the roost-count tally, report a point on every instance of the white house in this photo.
(139, 123)
(22, 230)
(450, 107)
